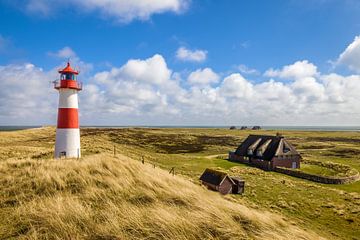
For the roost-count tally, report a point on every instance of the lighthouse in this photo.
(67, 144)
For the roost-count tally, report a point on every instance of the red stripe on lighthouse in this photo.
(68, 118)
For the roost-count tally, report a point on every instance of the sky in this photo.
(183, 62)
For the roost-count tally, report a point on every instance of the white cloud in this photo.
(122, 10)
(146, 91)
(185, 54)
(153, 70)
(246, 70)
(65, 52)
(26, 95)
(309, 90)
(237, 86)
(299, 69)
(204, 76)
(68, 54)
(138, 87)
(351, 56)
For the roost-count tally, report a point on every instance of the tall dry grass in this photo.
(102, 197)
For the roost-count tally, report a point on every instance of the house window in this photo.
(250, 152)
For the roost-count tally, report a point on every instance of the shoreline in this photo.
(266, 128)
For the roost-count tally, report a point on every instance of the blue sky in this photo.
(247, 37)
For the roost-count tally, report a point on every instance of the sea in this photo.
(295, 128)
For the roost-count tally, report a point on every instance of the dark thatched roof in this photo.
(269, 146)
(214, 177)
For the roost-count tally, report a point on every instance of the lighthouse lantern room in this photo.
(67, 144)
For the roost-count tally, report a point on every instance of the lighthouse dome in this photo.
(68, 69)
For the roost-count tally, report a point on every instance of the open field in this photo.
(332, 211)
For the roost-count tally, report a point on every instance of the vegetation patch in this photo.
(331, 169)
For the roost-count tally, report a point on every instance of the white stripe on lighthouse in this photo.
(68, 142)
(68, 98)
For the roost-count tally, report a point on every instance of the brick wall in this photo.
(235, 158)
(286, 162)
(263, 164)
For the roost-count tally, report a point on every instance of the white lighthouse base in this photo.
(67, 143)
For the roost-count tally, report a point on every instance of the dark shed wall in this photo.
(210, 186)
(226, 186)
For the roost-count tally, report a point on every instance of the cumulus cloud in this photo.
(26, 95)
(204, 76)
(309, 99)
(65, 52)
(138, 87)
(153, 70)
(299, 69)
(185, 54)
(237, 86)
(147, 91)
(350, 57)
(68, 54)
(122, 10)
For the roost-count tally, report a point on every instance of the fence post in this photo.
(172, 170)
(114, 151)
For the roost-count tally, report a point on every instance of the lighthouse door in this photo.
(62, 154)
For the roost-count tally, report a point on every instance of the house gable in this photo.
(265, 147)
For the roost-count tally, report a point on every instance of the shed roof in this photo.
(269, 146)
(214, 177)
(238, 179)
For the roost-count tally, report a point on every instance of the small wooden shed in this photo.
(221, 182)
(239, 185)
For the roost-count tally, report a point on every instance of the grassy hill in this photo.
(331, 211)
(102, 197)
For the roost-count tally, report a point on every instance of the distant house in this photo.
(221, 182)
(267, 152)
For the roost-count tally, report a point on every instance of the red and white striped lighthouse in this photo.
(67, 133)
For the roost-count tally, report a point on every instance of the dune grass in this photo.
(104, 197)
(331, 211)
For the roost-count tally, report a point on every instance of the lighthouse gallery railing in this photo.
(72, 84)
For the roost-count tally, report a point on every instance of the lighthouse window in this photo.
(68, 76)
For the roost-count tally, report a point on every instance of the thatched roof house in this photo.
(221, 182)
(267, 152)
